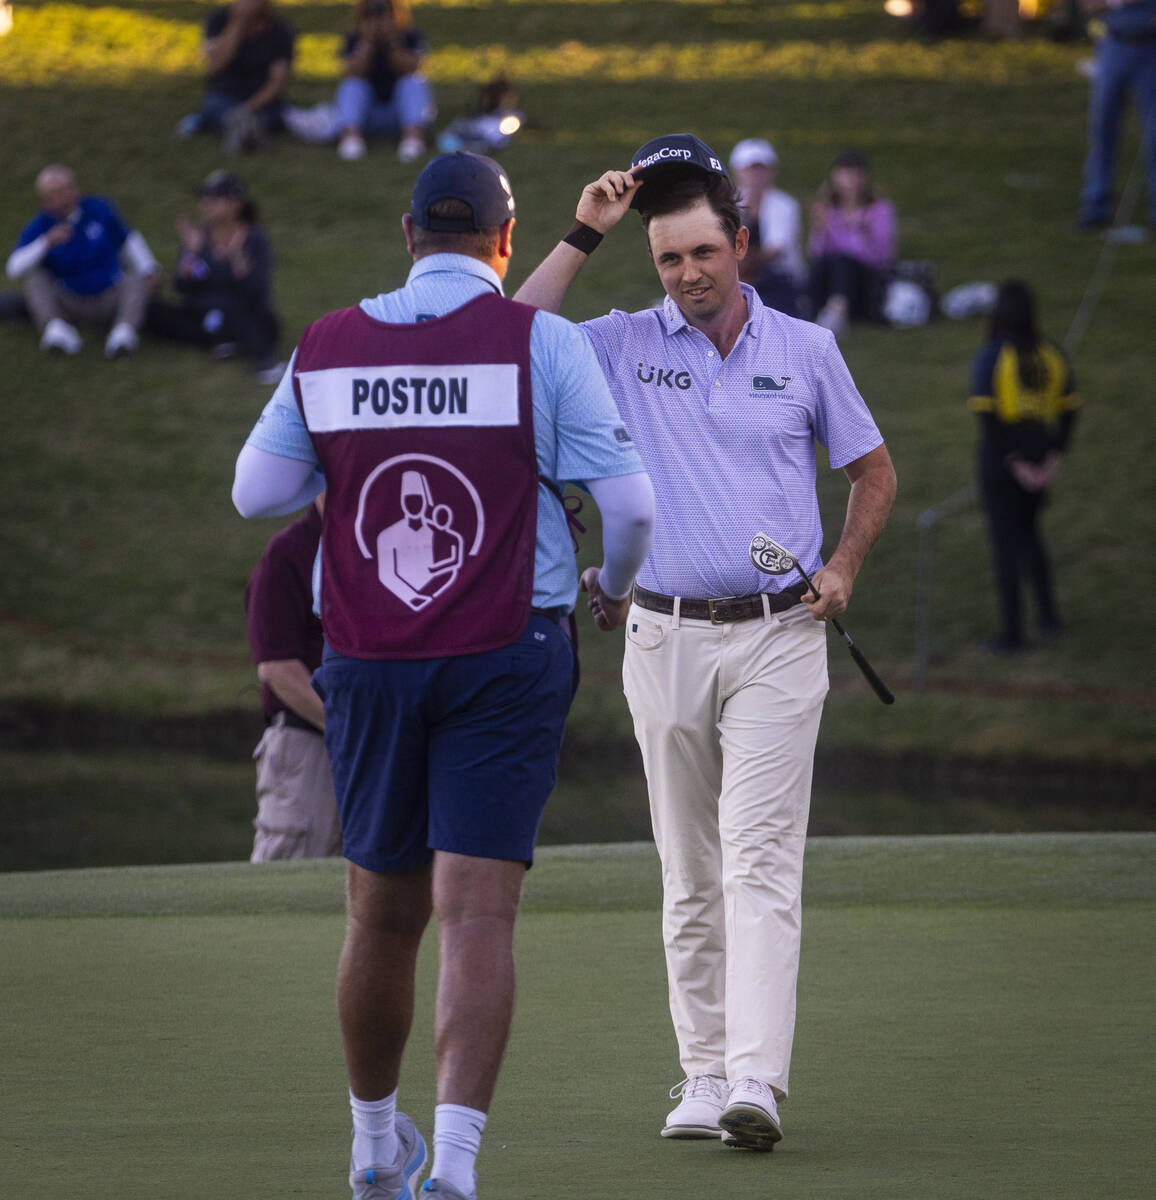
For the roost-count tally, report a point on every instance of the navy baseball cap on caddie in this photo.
(472, 178)
(670, 155)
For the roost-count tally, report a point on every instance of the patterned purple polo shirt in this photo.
(730, 445)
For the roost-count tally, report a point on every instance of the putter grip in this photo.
(881, 689)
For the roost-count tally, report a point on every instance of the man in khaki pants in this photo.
(296, 804)
(725, 669)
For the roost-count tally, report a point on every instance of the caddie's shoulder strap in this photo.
(571, 507)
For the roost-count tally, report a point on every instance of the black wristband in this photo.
(583, 238)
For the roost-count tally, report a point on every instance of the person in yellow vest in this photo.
(1024, 394)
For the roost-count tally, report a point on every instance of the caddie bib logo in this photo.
(418, 518)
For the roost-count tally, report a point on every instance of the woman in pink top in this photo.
(852, 244)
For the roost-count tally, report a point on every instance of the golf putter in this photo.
(773, 559)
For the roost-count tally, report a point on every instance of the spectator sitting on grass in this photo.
(68, 262)
(852, 244)
(383, 92)
(223, 276)
(248, 49)
(774, 264)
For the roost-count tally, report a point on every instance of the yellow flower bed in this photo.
(62, 42)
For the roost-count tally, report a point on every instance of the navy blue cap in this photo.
(671, 155)
(472, 178)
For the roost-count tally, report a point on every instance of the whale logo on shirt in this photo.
(766, 383)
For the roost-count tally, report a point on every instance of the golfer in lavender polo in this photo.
(725, 669)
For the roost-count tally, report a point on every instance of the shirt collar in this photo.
(676, 320)
(455, 264)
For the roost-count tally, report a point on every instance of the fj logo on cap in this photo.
(767, 383)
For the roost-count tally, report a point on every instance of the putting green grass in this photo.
(974, 1019)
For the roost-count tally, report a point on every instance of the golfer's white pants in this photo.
(727, 717)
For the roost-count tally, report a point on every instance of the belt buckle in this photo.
(710, 608)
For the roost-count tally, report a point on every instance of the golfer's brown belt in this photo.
(722, 609)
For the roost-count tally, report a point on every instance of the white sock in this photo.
(457, 1136)
(374, 1134)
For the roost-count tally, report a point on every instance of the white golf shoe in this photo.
(750, 1119)
(60, 338)
(701, 1100)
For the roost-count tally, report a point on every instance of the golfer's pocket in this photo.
(644, 634)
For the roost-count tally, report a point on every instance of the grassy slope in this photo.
(124, 559)
(965, 1004)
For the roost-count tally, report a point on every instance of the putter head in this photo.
(771, 558)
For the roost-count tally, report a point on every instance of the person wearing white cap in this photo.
(774, 264)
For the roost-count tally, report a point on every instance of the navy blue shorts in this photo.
(456, 754)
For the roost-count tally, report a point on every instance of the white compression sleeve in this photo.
(138, 255)
(626, 503)
(21, 261)
(269, 485)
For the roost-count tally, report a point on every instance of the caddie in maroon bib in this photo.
(425, 434)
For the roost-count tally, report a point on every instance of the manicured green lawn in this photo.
(974, 1018)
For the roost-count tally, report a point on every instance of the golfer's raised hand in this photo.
(834, 588)
(608, 614)
(606, 201)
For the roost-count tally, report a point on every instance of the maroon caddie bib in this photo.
(425, 434)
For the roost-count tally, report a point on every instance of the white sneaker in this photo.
(123, 340)
(317, 124)
(833, 317)
(751, 1116)
(439, 1187)
(409, 149)
(702, 1100)
(351, 147)
(60, 338)
(397, 1180)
